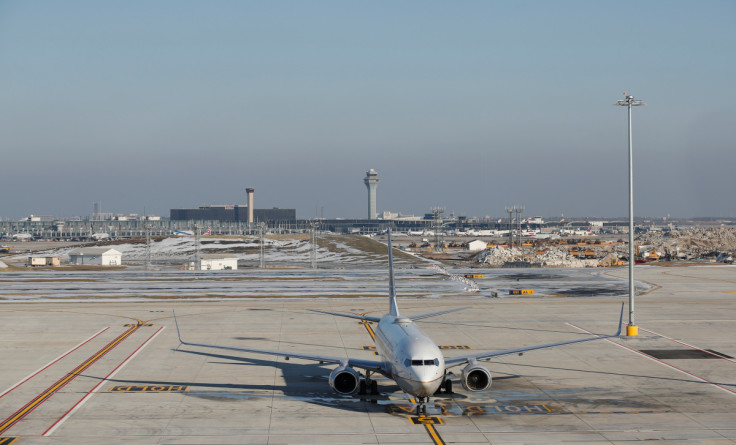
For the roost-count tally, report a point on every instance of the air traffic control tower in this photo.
(371, 181)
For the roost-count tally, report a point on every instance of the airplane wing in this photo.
(457, 361)
(371, 365)
(357, 316)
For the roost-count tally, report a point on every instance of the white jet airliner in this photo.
(408, 356)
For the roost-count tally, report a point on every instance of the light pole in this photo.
(631, 329)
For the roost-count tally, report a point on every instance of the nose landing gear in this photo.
(421, 405)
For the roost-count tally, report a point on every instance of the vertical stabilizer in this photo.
(393, 309)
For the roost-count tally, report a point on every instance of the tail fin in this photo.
(393, 308)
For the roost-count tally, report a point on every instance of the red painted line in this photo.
(34, 374)
(689, 346)
(92, 391)
(717, 385)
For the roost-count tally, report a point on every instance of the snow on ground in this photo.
(331, 251)
(348, 267)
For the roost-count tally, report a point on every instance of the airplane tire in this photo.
(361, 387)
(374, 387)
(448, 386)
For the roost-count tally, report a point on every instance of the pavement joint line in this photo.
(94, 390)
(716, 385)
(53, 389)
(35, 373)
(688, 345)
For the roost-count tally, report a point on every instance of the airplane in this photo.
(183, 233)
(408, 356)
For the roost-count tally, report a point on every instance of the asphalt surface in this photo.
(109, 371)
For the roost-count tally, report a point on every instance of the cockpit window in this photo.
(430, 362)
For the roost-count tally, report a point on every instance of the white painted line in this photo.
(35, 373)
(689, 346)
(719, 386)
(92, 392)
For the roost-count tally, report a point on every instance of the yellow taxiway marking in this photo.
(7, 440)
(38, 400)
(433, 434)
(368, 328)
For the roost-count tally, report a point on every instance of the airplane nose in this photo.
(428, 382)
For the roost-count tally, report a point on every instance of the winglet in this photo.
(393, 307)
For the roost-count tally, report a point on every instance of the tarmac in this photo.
(106, 372)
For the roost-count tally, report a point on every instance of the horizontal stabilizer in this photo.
(342, 314)
(434, 314)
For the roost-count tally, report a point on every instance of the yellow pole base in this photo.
(632, 331)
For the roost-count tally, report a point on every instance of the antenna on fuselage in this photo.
(393, 309)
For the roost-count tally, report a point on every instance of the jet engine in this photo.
(344, 380)
(476, 378)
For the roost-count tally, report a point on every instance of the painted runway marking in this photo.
(428, 423)
(35, 373)
(7, 440)
(368, 328)
(425, 420)
(89, 394)
(150, 388)
(53, 389)
(433, 434)
(717, 385)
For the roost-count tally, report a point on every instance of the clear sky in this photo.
(470, 105)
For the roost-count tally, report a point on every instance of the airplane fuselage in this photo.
(410, 358)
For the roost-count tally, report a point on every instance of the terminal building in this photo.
(233, 213)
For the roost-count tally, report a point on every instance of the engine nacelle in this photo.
(476, 378)
(344, 380)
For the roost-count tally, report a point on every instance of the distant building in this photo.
(233, 213)
(98, 256)
(216, 261)
(35, 261)
(477, 245)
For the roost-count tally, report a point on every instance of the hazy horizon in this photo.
(471, 106)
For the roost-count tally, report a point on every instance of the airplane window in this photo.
(429, 362)
(416, 362)
(436, 362)
(407, 363)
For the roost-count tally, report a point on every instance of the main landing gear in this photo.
(445, 387)
(368, 386)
